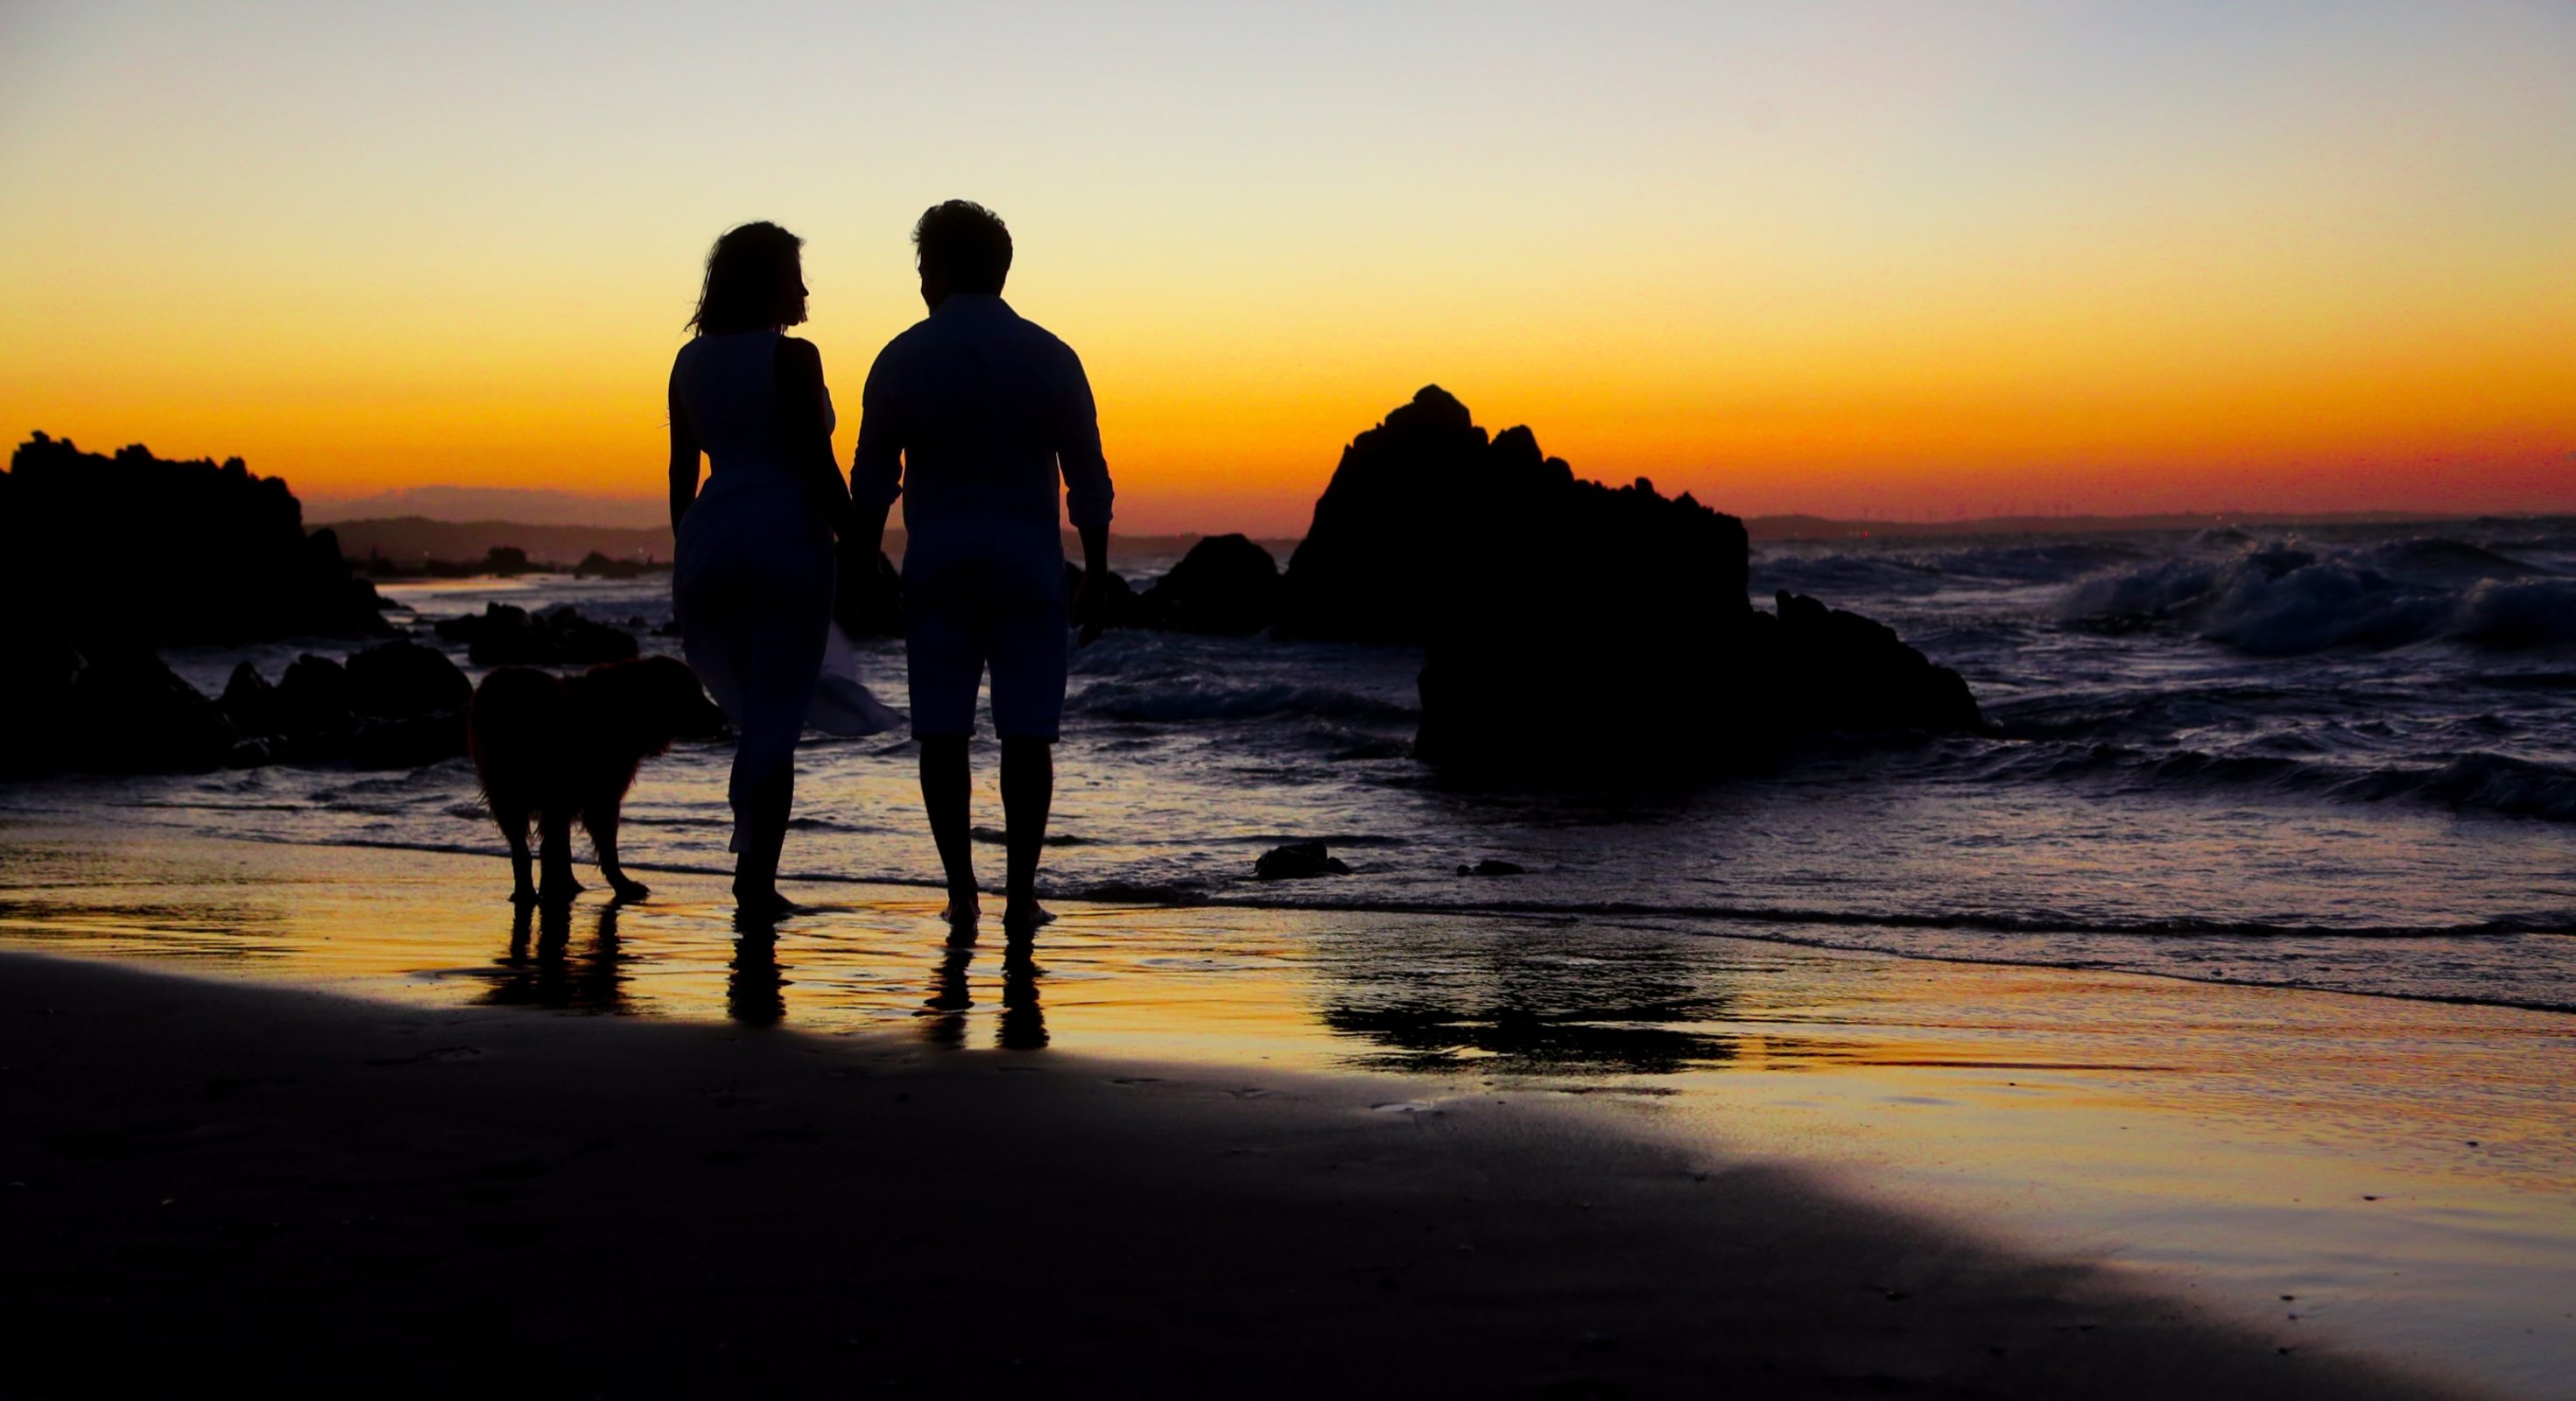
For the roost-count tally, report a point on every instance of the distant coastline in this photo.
(413, 543)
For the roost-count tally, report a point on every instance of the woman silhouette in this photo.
(752, 584)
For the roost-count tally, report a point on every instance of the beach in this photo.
(299, 1114)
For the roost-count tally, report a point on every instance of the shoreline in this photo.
(1757, 921)
(2185, 1138)
(302, 1187)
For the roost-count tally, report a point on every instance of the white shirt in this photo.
(970, 415)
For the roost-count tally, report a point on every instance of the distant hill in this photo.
(413, 541)
(474, 505)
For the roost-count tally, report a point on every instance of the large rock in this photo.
(130, 713)
(1225, 585)
(313, 702)
(1508, 569)
(251, 704)
(1837, 670)
(133, 552)
(1425, 516)
(401, 680)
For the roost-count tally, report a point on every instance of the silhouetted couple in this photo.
(972, 415)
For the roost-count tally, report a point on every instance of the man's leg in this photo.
(946, 782)
(1028, 790)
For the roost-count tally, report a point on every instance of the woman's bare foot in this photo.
(963, 907)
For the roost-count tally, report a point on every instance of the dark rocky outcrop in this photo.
(507, 635)
(599, 566)
(403, 680)
(131, 714)
(108, 710)
(1225, 585)
(1836, 670)
(1427, 522)
(313, 702)
(1298, 861)
(106, 553)
(1494, 866)
(395, 705)
(1500, 562)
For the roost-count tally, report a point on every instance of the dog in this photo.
(554, 748)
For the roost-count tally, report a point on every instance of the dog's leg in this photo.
(514, 827)
(601, 819)
(555, 856)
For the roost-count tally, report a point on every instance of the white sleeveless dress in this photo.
(752, 581)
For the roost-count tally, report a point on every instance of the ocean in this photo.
(2339, 758)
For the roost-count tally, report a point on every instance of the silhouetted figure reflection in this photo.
(755, 993)
(1023, 1020)
(541, 972)
(943, 1013)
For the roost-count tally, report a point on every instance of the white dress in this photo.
(752, 580)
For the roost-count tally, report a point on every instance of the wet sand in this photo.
(1676, 1160)
(221, 1185)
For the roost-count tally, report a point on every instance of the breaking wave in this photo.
(2276, 599)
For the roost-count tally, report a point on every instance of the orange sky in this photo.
(1842, 258)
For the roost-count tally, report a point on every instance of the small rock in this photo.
(1298, 860)
(1492, 867)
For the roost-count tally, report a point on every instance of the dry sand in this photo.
(217, 1186)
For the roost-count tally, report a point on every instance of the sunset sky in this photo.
(1894, 259)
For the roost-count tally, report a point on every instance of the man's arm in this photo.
(684, 457)
(1087, 493)
(876, 466)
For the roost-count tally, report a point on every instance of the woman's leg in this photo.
(778, 654)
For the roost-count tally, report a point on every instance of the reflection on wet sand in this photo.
(1517, 1006)
(2091, 1106)
(755, 990)
(942, 1018)
(546, 974)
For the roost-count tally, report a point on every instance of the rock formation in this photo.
(395, 705)
(1225, 585)
(1572, 625)
(504, 634)
(135, 551)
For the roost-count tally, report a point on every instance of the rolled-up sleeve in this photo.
(1087, 493)
(876, 468)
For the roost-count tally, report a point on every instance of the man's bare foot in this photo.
(633, 889)
(963, 907)
(1025, 914)
(764, 904)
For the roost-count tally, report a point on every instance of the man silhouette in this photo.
(971, 415)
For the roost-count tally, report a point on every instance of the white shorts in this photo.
(971, 604)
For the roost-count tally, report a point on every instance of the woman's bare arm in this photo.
(684, 458)
(809, 441)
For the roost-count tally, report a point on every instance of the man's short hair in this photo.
(967, 243)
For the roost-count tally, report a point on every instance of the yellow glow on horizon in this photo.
(2118, 261)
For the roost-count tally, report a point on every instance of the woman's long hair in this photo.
(755, 281)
